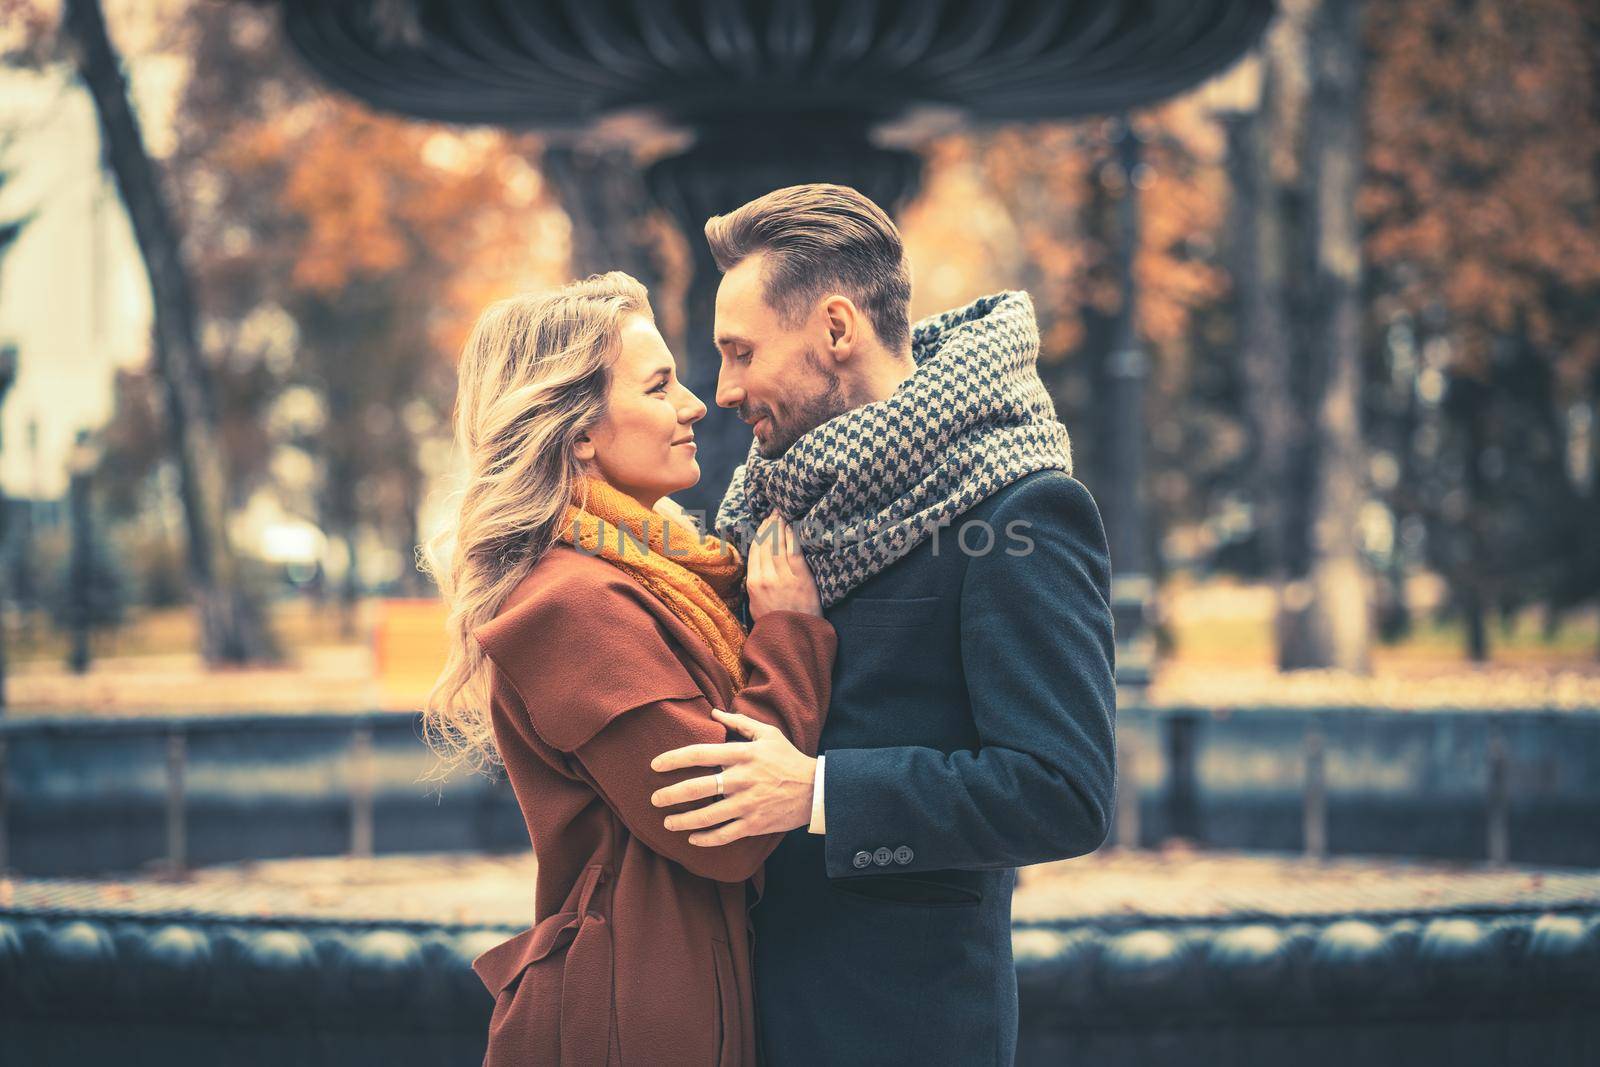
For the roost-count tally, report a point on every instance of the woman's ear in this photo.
(584, 449)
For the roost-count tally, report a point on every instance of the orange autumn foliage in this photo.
(1482, 186)
(375, 195)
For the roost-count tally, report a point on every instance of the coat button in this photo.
(862, 859)
(903, 855)
(882, 856)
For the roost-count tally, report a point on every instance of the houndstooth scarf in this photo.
(869, 485)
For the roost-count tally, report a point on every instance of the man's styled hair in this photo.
(819, 237)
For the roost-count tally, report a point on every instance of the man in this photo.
(970, 730)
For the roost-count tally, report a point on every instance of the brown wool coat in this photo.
(640, 951)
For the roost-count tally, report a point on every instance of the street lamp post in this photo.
(1132, 585)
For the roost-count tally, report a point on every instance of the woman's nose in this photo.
(693, 410)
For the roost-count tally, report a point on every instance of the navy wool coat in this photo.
(970, 732)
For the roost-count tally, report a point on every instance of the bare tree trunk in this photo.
(232, 629)
(1269, 177)
(1339, 610)
(1394, 620)
(1299, 267)
(1591, 495)
(1472, 409)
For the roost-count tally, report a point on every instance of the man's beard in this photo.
(808, 414)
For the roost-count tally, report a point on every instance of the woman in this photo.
(599, 632)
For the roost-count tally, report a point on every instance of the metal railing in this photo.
(1162, 791)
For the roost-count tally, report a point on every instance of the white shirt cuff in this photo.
(818, 825)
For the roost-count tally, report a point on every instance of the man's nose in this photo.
(729, 394)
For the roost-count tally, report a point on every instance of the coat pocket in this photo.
(729, 1023)
(579, 994)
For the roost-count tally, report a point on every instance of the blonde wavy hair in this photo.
(534, 376)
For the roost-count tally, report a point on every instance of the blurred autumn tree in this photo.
(1467, 329)
(232, 627)
(1296, 251)
(359, 247)
(341, 257)
(1481, 206)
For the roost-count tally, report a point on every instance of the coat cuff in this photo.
(861, 845)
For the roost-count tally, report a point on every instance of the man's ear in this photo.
(844, 323)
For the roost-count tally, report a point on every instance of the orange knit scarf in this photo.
(695, 575)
